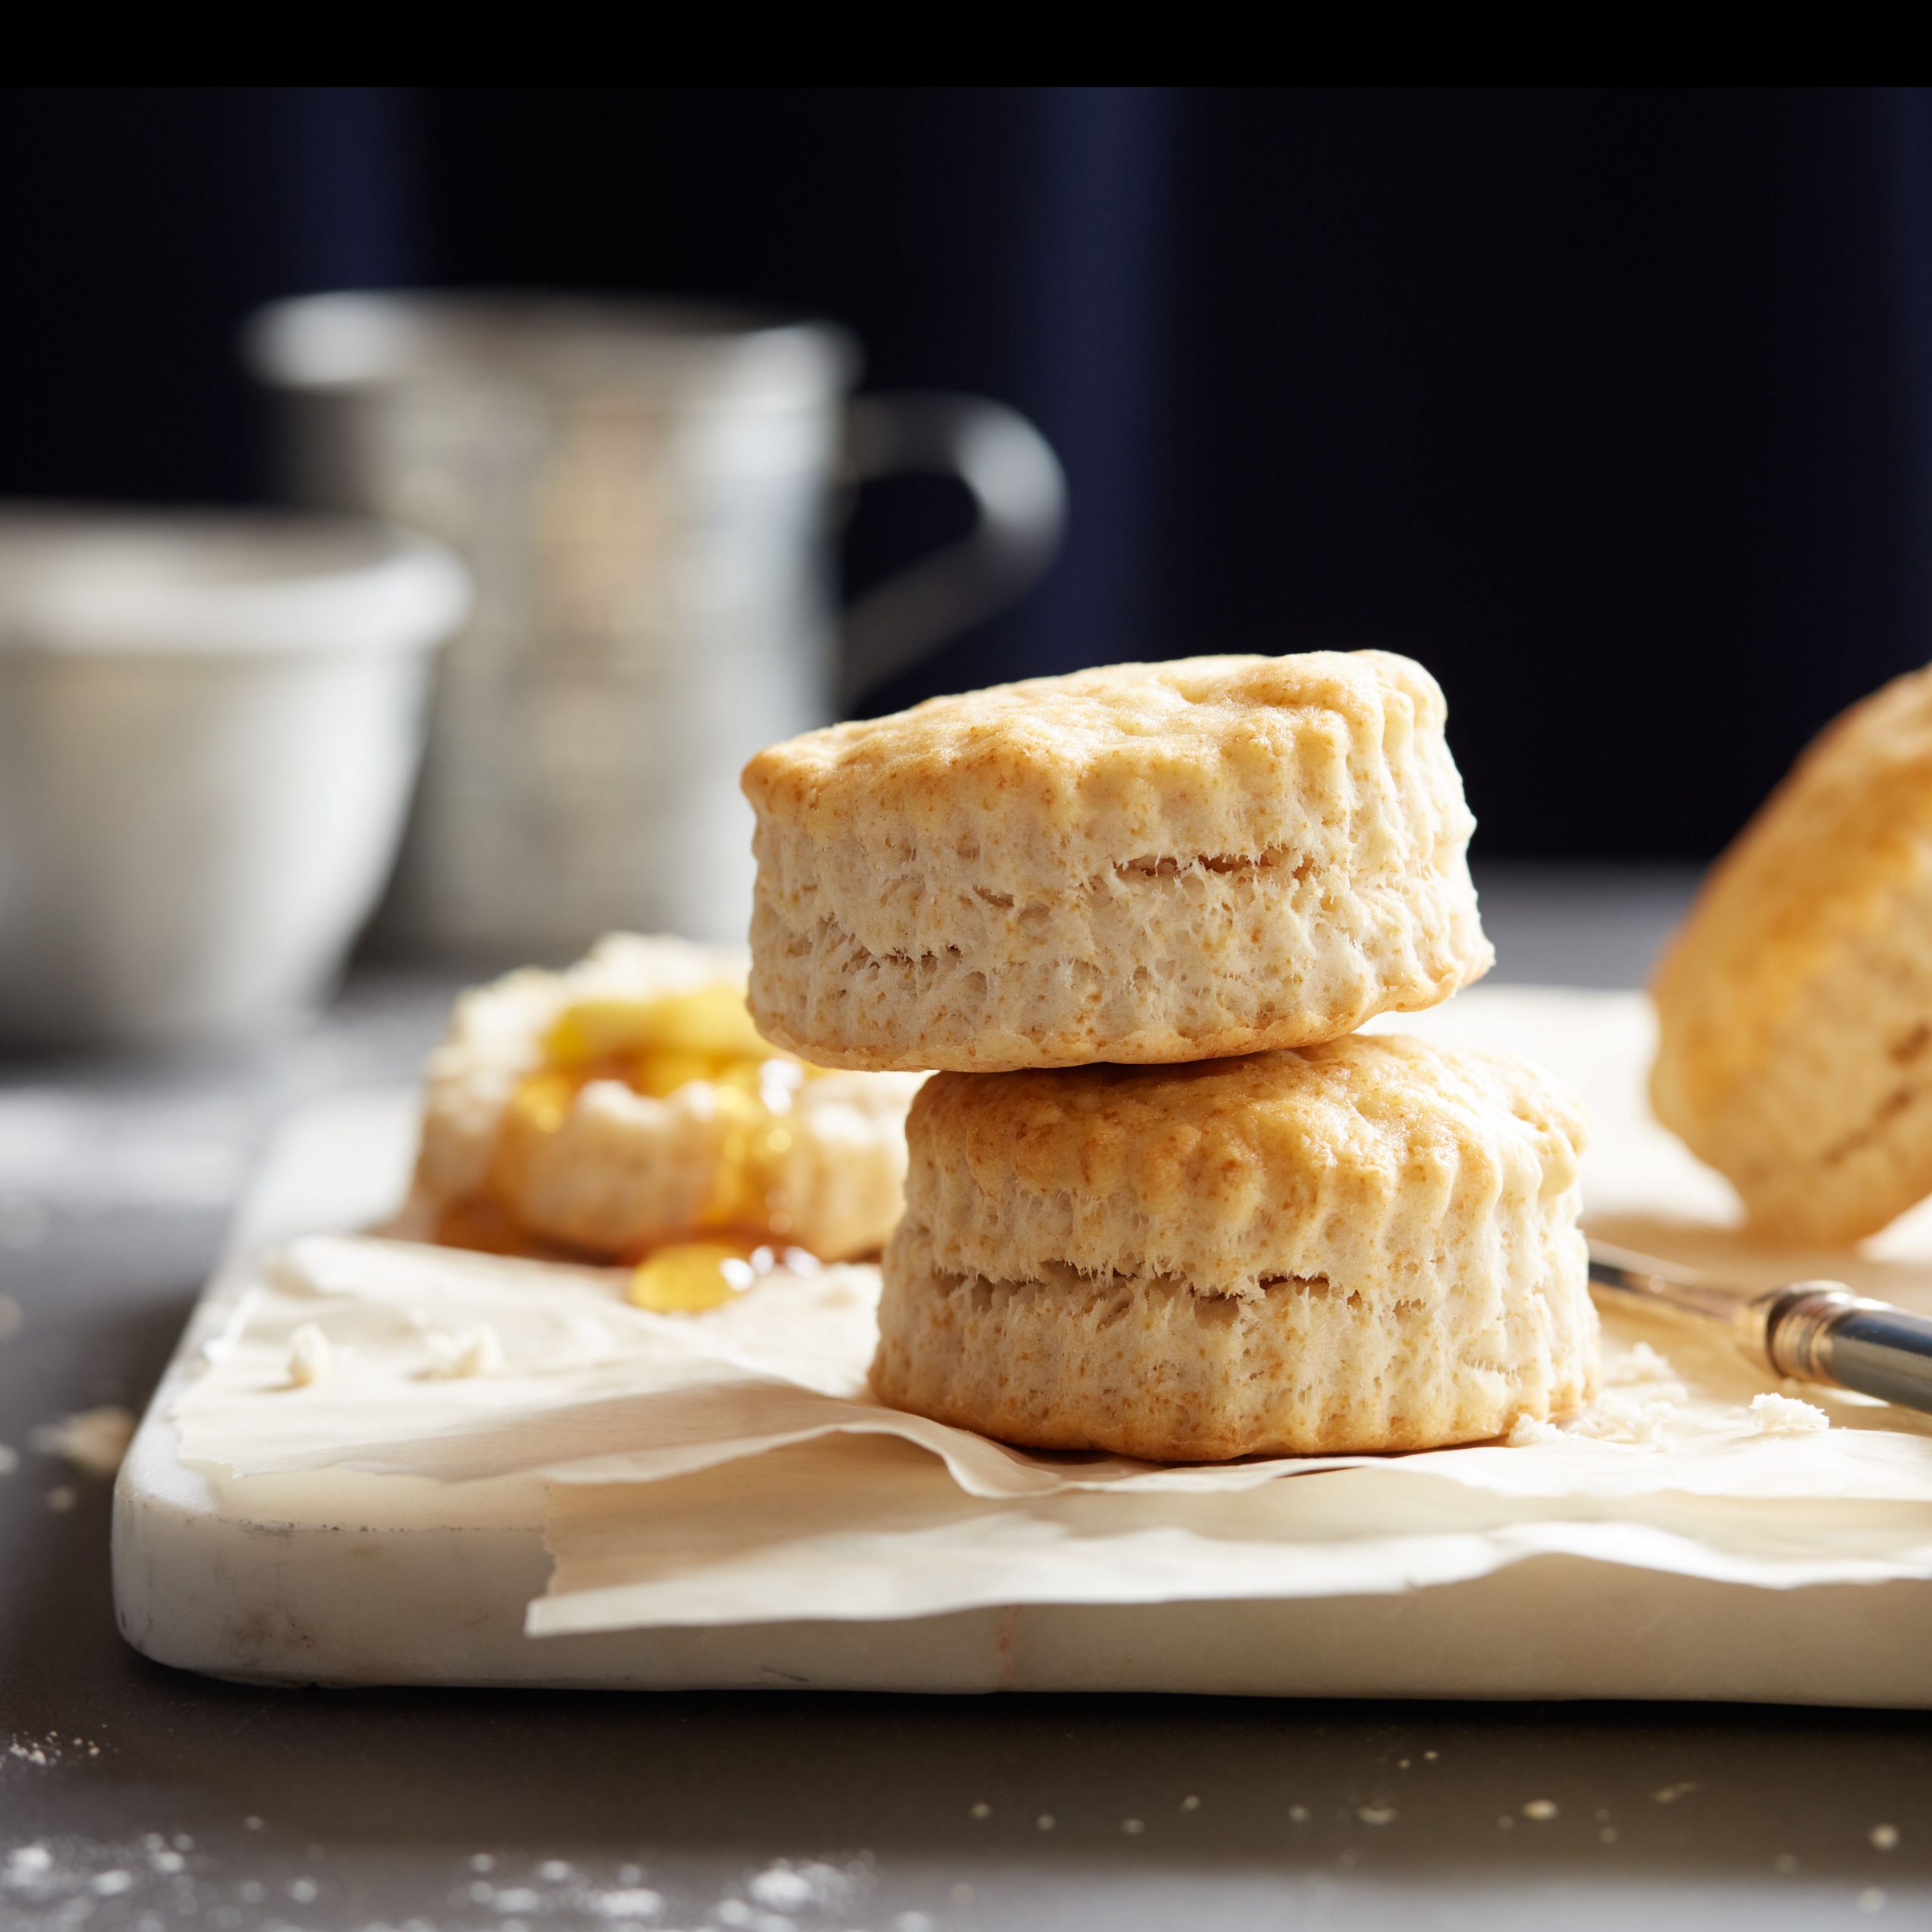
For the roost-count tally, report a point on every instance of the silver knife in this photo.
(1814, 1331)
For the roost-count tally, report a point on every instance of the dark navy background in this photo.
(1615, 408)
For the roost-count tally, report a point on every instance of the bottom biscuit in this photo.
(1149, 1367)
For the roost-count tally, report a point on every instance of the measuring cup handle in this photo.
(1019, 490)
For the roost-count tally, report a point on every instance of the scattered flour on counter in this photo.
(782, 1888)
(311, 1356)
(791, 1886)
(624, 1902)
(1784, 1415)
(44, 1752)
(1527, 1432)
(94, 1442)
(473, 1351)
(112, 1150)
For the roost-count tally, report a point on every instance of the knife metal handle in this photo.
(1821, 1332)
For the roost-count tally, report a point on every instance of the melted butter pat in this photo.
(712, 1024)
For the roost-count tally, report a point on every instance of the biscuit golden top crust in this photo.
(1817, 868)
(1201, 750)
(1227, 1173)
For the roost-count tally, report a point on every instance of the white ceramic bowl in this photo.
(209, 726)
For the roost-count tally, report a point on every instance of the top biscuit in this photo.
(1146, 863)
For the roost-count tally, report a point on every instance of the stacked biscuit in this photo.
(1163, 1197)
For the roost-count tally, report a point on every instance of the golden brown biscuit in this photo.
(628, 1103)
(1370, 1244)
(1149, 863)
(1794, 1006)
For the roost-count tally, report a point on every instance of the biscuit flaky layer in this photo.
(1146, 863)
(1370, 1244)
(1794, 1007)
(625, 1171)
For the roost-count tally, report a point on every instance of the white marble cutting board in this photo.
(343, 1577)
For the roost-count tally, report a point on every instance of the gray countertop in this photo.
(133, 1796)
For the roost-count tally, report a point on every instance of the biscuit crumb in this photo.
(1671, 1793)
(983, 1810)
(1541, 1808)
(1613, 1418)
(310, 1356)
(94, 1441)
(1527, 1432)
(1884, 1838)
(1190, 1803)
(1376, 1814)
(477, 1351)
(1782, 1415)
